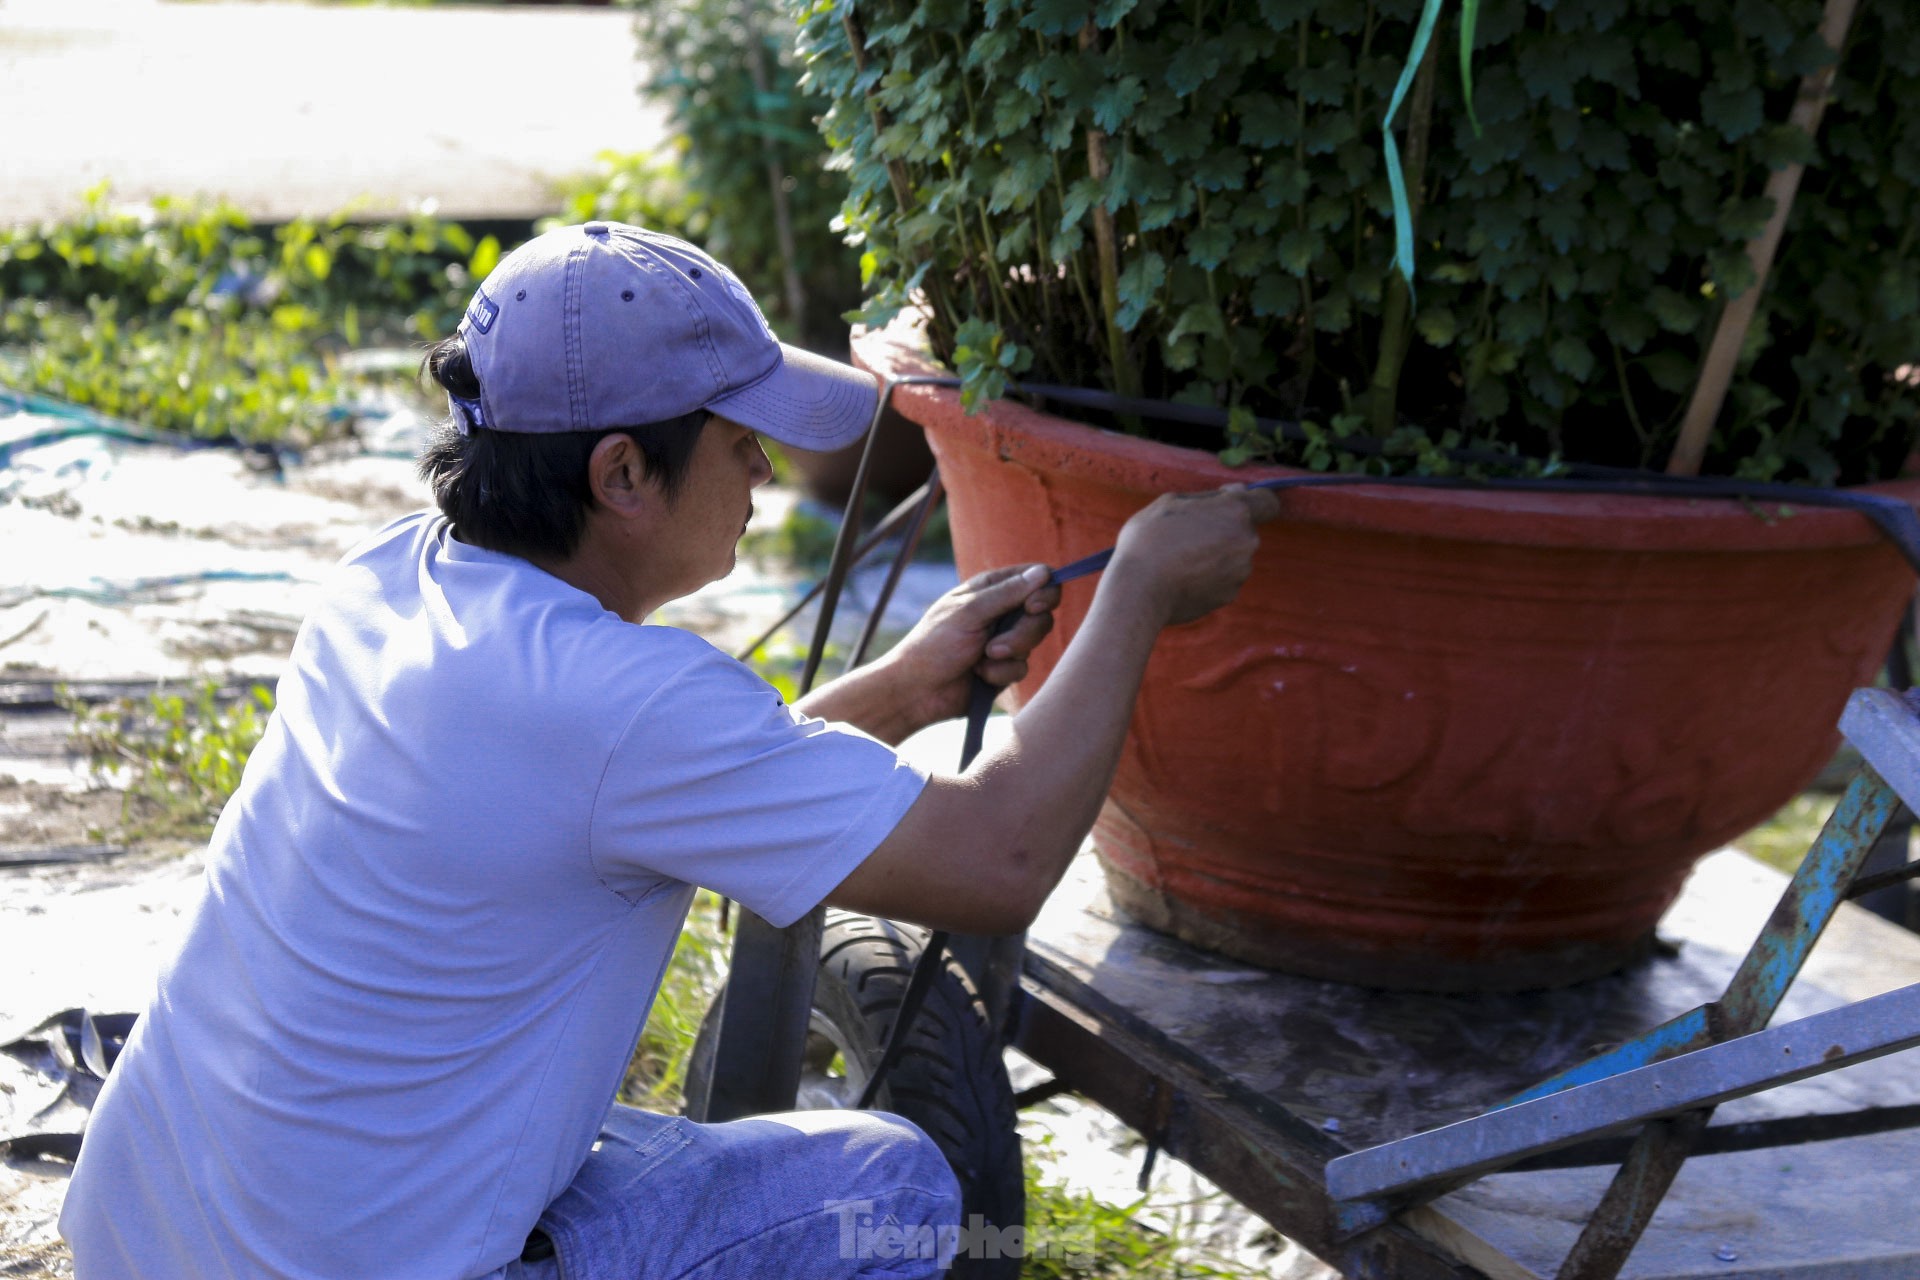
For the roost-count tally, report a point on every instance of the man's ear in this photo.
(617, 476)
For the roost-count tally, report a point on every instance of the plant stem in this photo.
(1306, 277)
(1626, 399)
(1126, 377)
(1396, 318)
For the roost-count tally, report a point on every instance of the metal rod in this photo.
(842, 561)
(881, 532)
(1823, 1042)
(1746, 1135)
(933, 491)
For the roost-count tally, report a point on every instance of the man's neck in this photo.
(592, 570)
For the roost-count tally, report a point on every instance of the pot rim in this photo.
(1128, 463)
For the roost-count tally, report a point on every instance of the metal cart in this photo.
(1388, 1132)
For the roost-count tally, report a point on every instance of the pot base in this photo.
(1357, 960)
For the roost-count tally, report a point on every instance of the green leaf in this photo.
(1184, 139)
(1298, 249)
(1734, 110)
(1572, 357)
(1779, 145)
(1017, 184)
(1275, 294)
(1054, 17)
(1201, 320)
(1139, 281)
(1629, 325)
(1080, 197)
(1222, 169)
(1208, 246)
(1013, 111)
(1522, 321)
(1742, 220)
(1113, 103)
(486, 256)
(1670, 371)
(1194, 64)
(1438, 326)
(1675, 312)
(1324, 85)
(1263, 121)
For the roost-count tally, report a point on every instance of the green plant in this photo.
(751, 155)
(187, 317)
(658, 1070)
(199, 372)
(639, 187)
(176, 757)
(1190, 202)
(1783, 840)
(1074, 1235)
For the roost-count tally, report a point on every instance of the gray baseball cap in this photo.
(609, 325)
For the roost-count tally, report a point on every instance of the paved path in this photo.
(288, 109)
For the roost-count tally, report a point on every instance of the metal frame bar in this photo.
(1707, 1077)
(1886, 730)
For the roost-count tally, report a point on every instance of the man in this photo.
(440, 902)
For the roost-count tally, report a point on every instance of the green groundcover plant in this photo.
(1189, 200)
(185, 316)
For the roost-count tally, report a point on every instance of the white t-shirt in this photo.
(436, 913)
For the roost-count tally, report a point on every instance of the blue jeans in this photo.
(806, 1195)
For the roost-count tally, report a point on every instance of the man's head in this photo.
(600, 329)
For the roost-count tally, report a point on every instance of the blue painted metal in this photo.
(1814, 894)
(1691, 1030)
(1812, 897)
(1744, 1065)
(1775, 959)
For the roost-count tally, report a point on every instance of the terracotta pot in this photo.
(1444, 739)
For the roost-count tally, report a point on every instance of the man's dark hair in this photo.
(526, 493)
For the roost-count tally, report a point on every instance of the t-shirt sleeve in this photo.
(717, 782)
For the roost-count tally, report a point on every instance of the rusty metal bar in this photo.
(1744, 1135)
(1886, 729)
(1812, 896)
(1703, 1079)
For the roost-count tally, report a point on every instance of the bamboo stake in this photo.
(1716, 371)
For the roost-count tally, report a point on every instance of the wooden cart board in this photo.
(1257, 1079)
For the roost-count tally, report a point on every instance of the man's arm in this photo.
(926, 677)
(979, 852)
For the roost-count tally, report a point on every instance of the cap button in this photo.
(595, 228)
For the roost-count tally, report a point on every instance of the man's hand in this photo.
(1189, 553)
(980, 853)
(952, 642)
(925, 678)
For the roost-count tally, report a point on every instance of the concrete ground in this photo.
(287, 109)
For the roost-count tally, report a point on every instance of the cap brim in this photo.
(808, 401)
